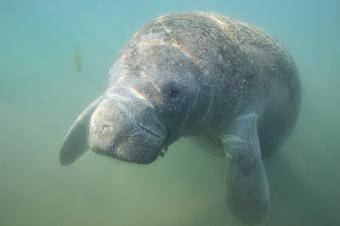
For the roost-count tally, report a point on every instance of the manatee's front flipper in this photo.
(76, 140)
(246, 180)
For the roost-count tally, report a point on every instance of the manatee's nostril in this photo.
(106, 128)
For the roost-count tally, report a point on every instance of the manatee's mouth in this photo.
(152, 133)
(136, 142)
(143, 147)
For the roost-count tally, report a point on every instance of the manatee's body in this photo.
(201, 75)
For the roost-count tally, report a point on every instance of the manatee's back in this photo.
(239, 62)
(275, 88)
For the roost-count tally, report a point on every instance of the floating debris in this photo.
(162, 152)
(77, 60)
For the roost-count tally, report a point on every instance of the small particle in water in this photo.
(162, 152)
(77, 60)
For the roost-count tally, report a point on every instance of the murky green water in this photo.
(54, 59)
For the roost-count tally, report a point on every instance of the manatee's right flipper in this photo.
(246, 181)
(76, 140)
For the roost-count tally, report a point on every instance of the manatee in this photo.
(200, 75)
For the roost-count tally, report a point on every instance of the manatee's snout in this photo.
(104, 128)
(124, 134)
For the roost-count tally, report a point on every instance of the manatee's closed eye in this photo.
(172, 91)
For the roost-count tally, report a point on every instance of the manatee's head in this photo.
(149, 103)
(154, 96)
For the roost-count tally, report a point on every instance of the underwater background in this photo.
(54, 61)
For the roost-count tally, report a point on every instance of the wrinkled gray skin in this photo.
(201, 75)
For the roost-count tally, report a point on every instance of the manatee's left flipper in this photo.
(246, 181)
(76, 139)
